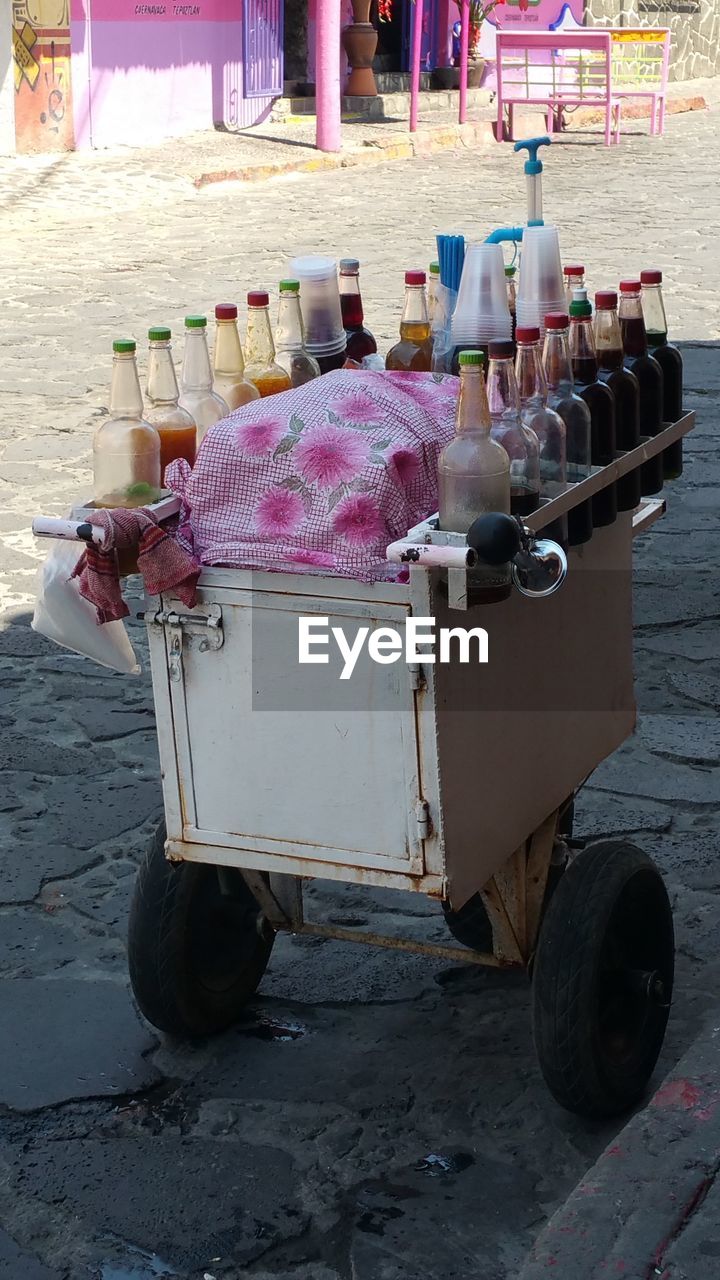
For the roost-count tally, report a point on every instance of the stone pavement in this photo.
(377, 1117)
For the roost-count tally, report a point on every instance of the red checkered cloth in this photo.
(163, 563)
(321, 478)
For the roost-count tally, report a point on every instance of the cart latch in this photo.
(422, 817)
(211, 623)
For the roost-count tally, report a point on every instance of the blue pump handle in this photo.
(532, 164)
(504, 234)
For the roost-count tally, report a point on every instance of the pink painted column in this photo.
(327, 75)
(415, 64)
(464, 44)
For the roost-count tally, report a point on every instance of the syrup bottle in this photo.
(414, 350)
(670, 361)
(599, 400)
(649, 375)
(360, 342)
(519, 442)
(576, 416)
(625, 388)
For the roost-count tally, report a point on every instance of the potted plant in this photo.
(449, 77)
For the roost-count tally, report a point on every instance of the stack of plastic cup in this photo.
(481, 313)
(541, 288)
(320, 305)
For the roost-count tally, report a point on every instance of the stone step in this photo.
(383, 107)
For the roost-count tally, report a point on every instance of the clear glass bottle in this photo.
(599, 400)
(625, 388)
(432, 288)
(519, 442)
(573, 278)
(175, 426)
(360, 341)
(414, 350)
(196, 379)
(670, 361)
(474, 474)
(649, 375)
(511, 283)
(290, 353)
(261, 367)
(126, 448)
(576, 416)
(547, 425)
(229, 379)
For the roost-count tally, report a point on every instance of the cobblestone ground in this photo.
(297, 1146)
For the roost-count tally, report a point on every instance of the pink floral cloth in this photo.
(320, 478)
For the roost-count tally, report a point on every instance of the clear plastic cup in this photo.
(541, 278)
(482, 305)
(320, 304)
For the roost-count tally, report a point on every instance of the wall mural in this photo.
(41, 68)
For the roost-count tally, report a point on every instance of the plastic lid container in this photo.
(313, 267)
(320, 305)
(226, 311)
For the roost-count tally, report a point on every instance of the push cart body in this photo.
(430, 775)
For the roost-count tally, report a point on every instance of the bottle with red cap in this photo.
(196, 379)
(670, 361)
(261, 367)
(360, 342)
(576, 416)
(290, 352)
(547, 425)
(519, 442)
(229, 379)
(599, 400)
(625, 388)
(414, 350)
(649, 375)
(573, 278)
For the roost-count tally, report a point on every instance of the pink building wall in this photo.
(146, 71)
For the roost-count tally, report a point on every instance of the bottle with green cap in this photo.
(229, 379)
(433, 282)
(196, 379)
(599, 400)
(360, 341)
(126, 448)
(474, 473)
(174, 425)
(290, 351)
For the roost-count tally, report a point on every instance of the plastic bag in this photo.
(63, 615)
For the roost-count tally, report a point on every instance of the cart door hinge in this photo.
(417, 676)
(422, 818)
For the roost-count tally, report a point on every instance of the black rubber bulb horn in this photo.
(495, 537)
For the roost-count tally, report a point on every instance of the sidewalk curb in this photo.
(402, 145)
(627, 1213)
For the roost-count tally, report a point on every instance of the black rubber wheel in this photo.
(602, 981)
(470, 926)
(196, 951)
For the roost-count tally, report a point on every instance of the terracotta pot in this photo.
(476, 71)
(361, 10)
(359, 41)
(445, 78)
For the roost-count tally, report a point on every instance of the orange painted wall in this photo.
(41, 68)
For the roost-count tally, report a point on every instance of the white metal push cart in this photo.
(452, 780)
